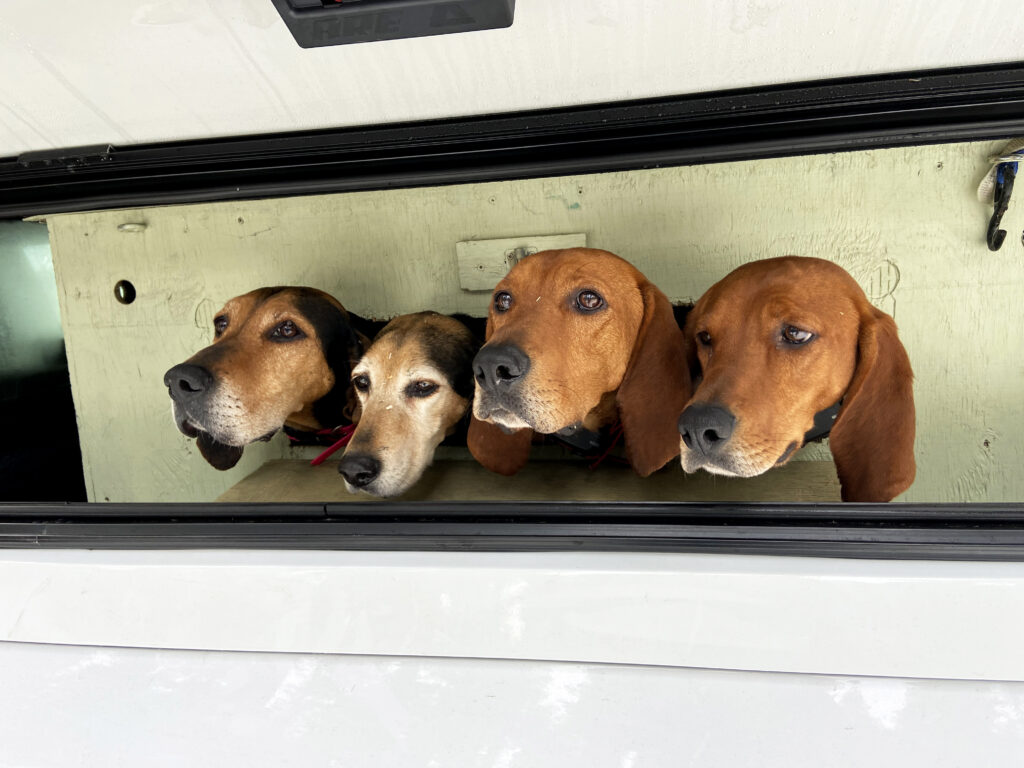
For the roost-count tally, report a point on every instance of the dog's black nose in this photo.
(706, 427)
(359, 469)
(187, 382)
(500, 364)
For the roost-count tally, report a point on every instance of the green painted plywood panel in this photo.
(905, 222)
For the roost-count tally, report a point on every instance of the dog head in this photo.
(578, 337)
(775, 342)
(414, 385)
(279, 355)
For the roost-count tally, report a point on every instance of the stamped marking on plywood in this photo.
(880, 285)
(883, 280)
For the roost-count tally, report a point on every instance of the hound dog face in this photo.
(778, 340)
(578, 337)
(414, 385)
(279, 355)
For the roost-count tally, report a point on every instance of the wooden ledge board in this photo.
(296, 481)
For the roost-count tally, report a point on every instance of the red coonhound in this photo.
(779, 341)
(578, 338)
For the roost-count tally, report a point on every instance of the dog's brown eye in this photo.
(588, 301)
(361, 382)
(286, 331)
(421, 389)
(502, 301)
(220, 324)
(704, 338)
(793, 335)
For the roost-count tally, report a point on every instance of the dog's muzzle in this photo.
(499, 370)
(359, 469)
(189, 387)
(188, 383)
(500, 367)
(705, 428)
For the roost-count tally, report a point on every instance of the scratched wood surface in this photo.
(292, 480)
(904, 222)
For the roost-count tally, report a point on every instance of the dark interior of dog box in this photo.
(117, 272)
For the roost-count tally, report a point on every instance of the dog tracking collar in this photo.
(823, 422)
(580, 439)
(592, 445)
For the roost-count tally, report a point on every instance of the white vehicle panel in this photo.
(117, 707)
(780, 614)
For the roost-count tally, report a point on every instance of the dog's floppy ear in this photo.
(655, 387)
(218, 455)
(872, 441)
(353, 408)
(497, 450)
(342, 347)
(690, 346)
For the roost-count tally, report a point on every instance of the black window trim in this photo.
(849, 114)
(877, 531)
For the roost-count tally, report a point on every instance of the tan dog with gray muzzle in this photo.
(414, 385)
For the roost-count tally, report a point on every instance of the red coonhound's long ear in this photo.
(690, 346)
(655, 387)
(872, 441)
(497, 450)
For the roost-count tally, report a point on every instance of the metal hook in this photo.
(1005, 174)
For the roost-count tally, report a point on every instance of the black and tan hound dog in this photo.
(280, 357)
(414, 384)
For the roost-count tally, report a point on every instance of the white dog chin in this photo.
(691, 463)
(712, 469)
(392, 483)
(508, 420)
